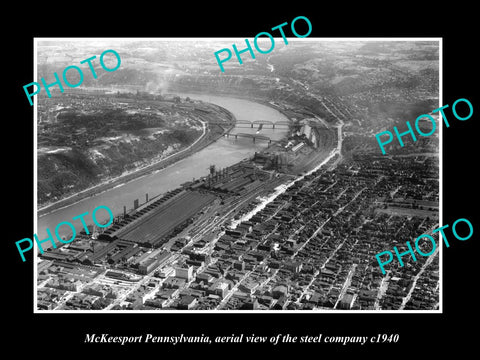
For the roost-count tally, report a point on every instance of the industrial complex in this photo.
(268, 188)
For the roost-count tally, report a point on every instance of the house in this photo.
(346, 302)
(187, 302)
(279, 291)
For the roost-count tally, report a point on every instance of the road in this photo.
(382, 289)
(67, 296)
(415, 279)
(146, 279)
(346, 284)
(305, 290)
(211, 225)
(282, 188)
(235, 288)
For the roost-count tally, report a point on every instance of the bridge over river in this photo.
(250, 124)
(274, 128)
(252, 136)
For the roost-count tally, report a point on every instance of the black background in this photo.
(63, 334)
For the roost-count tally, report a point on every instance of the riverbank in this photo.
(222, 153)
(202, 142)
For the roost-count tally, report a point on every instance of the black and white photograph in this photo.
(216, 180)
(258, 188)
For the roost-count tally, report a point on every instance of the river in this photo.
(222, 153)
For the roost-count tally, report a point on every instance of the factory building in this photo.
(184, 272)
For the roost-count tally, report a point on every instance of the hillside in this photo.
(86, 140)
